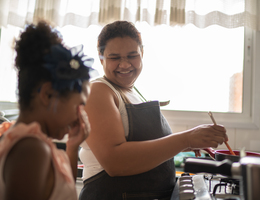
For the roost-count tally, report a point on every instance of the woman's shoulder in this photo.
(102, 83)
(103, 88)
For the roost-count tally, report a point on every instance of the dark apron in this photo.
(145, 123)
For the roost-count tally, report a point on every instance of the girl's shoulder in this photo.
(23, 137)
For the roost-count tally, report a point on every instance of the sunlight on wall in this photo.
(193, 68)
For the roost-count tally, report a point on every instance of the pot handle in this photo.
(211, 152)
(198, 165)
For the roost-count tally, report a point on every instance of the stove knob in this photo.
(185, 174)
(186, 187)
(186, 194)
(183, 182)
(185, 178)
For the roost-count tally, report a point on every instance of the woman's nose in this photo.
(124, 63)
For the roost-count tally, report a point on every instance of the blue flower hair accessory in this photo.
(68, 67)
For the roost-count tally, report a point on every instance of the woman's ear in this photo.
(101, 58)
(46, 92)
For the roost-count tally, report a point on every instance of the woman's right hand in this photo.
(206, 135)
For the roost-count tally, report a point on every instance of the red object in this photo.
(225, 154)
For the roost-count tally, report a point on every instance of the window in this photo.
(189, 66)
(8, 77)
(198, 70)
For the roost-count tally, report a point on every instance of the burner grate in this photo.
(208, 186)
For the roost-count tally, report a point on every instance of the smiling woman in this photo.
(130, 150)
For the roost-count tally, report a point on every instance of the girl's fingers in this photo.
(84, 123)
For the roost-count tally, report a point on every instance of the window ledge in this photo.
(229, 120)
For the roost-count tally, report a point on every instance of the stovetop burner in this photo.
(231, 186)
(208, 186)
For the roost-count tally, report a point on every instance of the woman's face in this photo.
(64, 112)
(122, 61)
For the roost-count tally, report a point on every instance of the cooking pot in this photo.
(219, 155)
(247, 170)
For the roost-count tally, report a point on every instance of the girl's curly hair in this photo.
(34, 42)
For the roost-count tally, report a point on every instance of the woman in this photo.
(129, 152)
(53, 87)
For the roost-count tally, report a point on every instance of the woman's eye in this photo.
(115, 58)
(132, 57)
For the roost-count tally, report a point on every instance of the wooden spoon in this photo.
(214, 122)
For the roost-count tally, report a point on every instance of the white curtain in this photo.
(226, 13)
(16, 12)
(82, 13)
(154, 12)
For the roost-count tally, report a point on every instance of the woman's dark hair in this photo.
(118, 29)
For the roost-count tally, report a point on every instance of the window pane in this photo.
(8, 77)
(196, 69)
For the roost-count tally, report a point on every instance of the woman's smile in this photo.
(125, 74)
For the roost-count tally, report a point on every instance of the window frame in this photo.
(249, 118)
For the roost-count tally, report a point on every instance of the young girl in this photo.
(53, 87)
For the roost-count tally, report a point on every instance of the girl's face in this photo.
(64, 112)
(122, 61)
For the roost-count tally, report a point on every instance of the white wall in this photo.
(238, 138)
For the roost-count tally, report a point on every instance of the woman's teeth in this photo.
(124, 72)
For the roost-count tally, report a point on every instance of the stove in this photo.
(205, 186)
(220, 179)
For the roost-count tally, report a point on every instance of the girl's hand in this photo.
(80, 130)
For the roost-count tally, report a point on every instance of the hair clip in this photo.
(68, 67)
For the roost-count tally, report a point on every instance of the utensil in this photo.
(220, 155)
(214, 122)
(242, 152)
